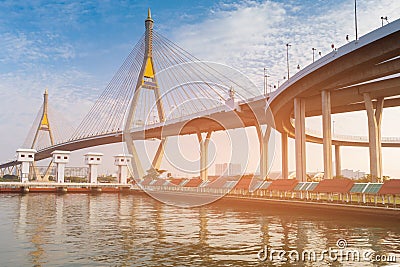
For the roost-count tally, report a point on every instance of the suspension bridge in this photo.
(161, 90)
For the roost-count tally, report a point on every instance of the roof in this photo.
(390, 187)
(334, 186)
(230, 184)
(94, 154)
(373, 188)
(176, 181)
(195, 182)
(265, 185)
(218, 183)
(305, 186)
(212, 178)
(283, 185)
(358, 188)
(243, 183)
(29, 150)
(366, 188)
(60, 152)
(159, 182)
(146, 181)
(256, 184)
(123, 156)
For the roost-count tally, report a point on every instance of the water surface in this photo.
(135, 230)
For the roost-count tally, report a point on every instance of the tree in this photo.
(153, 173)
(10, 178)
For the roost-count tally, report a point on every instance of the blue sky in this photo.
(74, 48)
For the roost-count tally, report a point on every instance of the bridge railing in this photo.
(351, 138)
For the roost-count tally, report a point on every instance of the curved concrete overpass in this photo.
(361, 75)
(348, 73)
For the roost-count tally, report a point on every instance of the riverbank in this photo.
(321, 203)
(297, 205)
(52, 187)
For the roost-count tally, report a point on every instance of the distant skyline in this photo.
(74, 48)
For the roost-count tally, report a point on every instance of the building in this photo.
(228, 169)
(352, 174)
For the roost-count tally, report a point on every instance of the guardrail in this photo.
(343, 137)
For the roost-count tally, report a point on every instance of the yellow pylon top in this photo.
(45, 121)
(149, 71)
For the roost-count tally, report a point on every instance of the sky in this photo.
(74, 48)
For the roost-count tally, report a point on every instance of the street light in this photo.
(355, 18)
(265, 81)
(384, 18)
(313, 50)
(284, 78)
(287, 58)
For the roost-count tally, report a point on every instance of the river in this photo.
(135, 230)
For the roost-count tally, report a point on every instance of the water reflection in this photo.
(134, 230)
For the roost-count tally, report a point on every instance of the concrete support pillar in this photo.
(93, 160)
(26, 157)
(327, 133)
(60, 158)
(378, 116)
(285, 156)
(263, 139)
(338, 163)
(156, 164)
(374, 134)
(204, 155)
(39, 177)
(60, 177)
(36, 173)
(45, 178)
(300, 139)
(17, 170)
(136, 164)
(122, 162)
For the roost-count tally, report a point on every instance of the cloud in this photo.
(31, 48)
(251, 35)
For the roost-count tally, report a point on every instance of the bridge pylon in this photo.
(44, 126)
(147, 80)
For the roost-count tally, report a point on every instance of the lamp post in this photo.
(384, 18)
(287, 59)
(265, 81)
(313, 50)
(355, 18)
(284, 78)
